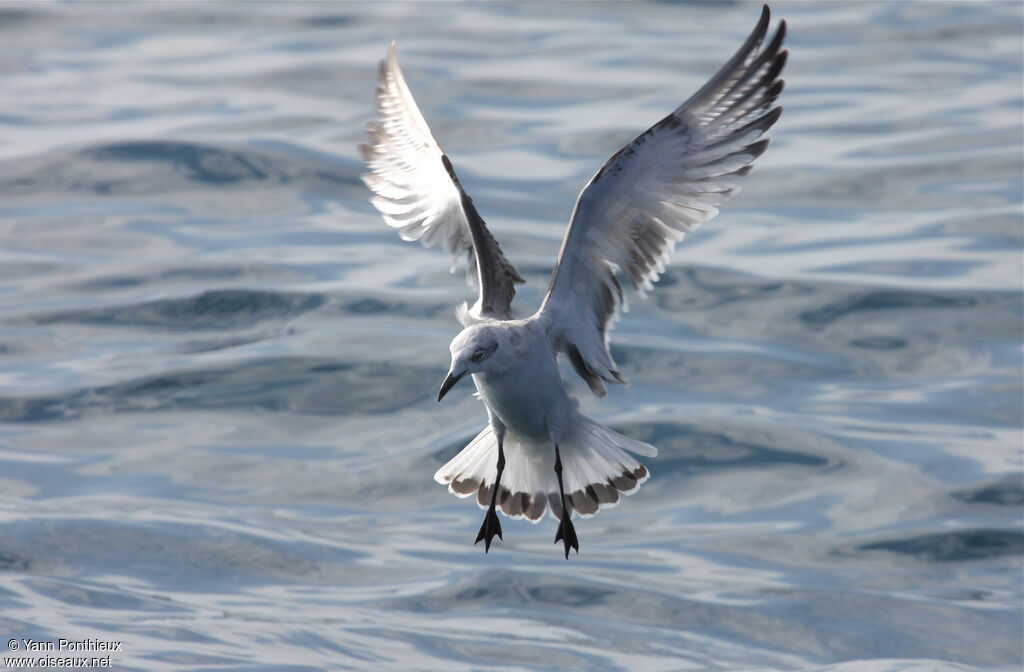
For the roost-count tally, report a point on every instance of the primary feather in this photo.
(417, 192)
(654, 191)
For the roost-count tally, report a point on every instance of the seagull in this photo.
(537, 450)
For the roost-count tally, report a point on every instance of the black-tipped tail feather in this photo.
(597, 471)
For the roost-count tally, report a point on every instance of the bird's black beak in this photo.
(449, 383)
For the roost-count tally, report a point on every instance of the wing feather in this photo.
(654, 191)
(417, 192)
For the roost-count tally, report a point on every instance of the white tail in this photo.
(595, 469)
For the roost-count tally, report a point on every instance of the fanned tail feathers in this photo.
(596, 470)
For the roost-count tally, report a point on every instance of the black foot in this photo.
(567, 535)
(491, 527)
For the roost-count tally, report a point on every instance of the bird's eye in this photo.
(477, 356)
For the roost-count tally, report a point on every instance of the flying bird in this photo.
(537, 450)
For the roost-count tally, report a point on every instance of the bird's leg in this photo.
(566, 530)
(491, 526)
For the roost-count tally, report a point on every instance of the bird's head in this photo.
(473, 351)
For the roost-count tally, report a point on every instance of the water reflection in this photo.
(218, 368)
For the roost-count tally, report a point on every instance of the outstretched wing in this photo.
(654, 191)
(418, 193)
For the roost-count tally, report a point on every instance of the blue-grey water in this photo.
(218, 367)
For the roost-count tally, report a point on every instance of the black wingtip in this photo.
(777, 65)
(778, 38)
(758, 148)
(769, 119)
(762, 23)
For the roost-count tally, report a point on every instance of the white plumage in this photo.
(594, 458)
(648, 196)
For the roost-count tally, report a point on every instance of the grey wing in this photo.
(417, 192)
(654, 191)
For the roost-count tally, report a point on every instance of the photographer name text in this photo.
(68, 645)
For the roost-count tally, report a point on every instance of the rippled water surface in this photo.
(218, 368)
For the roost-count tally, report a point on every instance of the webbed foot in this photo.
(567, 535)
(490, 528)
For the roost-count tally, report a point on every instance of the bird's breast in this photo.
(523, 399)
